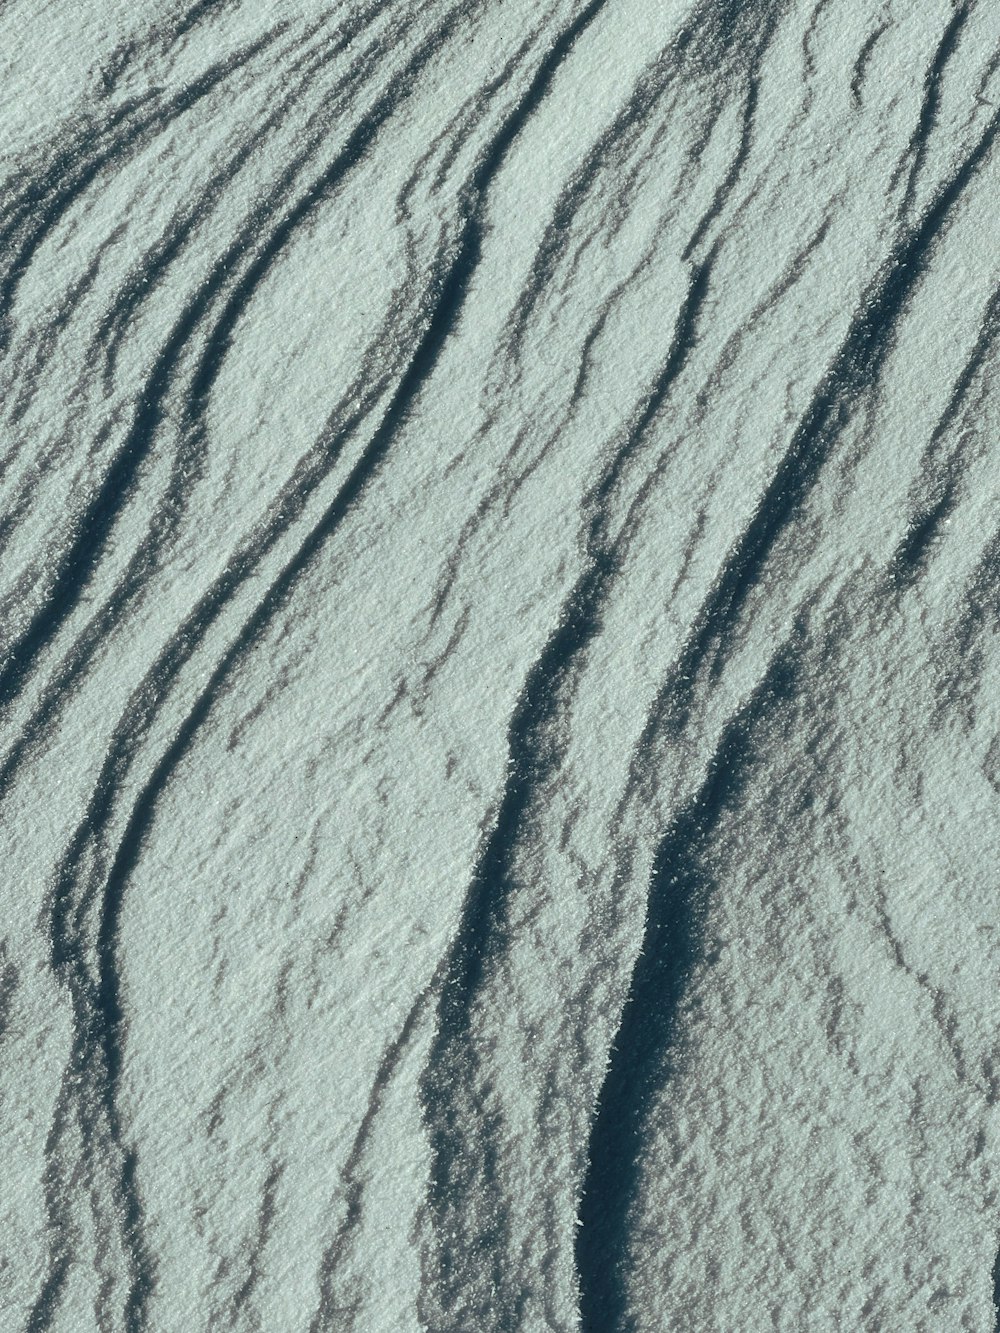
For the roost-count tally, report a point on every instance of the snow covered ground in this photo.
(500, 751)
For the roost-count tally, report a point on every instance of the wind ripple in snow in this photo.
(500, 734)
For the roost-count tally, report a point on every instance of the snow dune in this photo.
(500, 749)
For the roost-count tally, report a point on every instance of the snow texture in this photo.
(499, 676)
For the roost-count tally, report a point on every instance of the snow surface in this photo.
(499, 672)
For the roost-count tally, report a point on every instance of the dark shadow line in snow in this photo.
(323, 1319)
(482, 938)
(193, 17)
(61, 1248)
(931, 103)
(734, 171)
(911, 555)
(938, 483)
(642, 1053)
(855, 373)
(989, 330)
(861, 63)
(809, 38)
(262, 1234)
